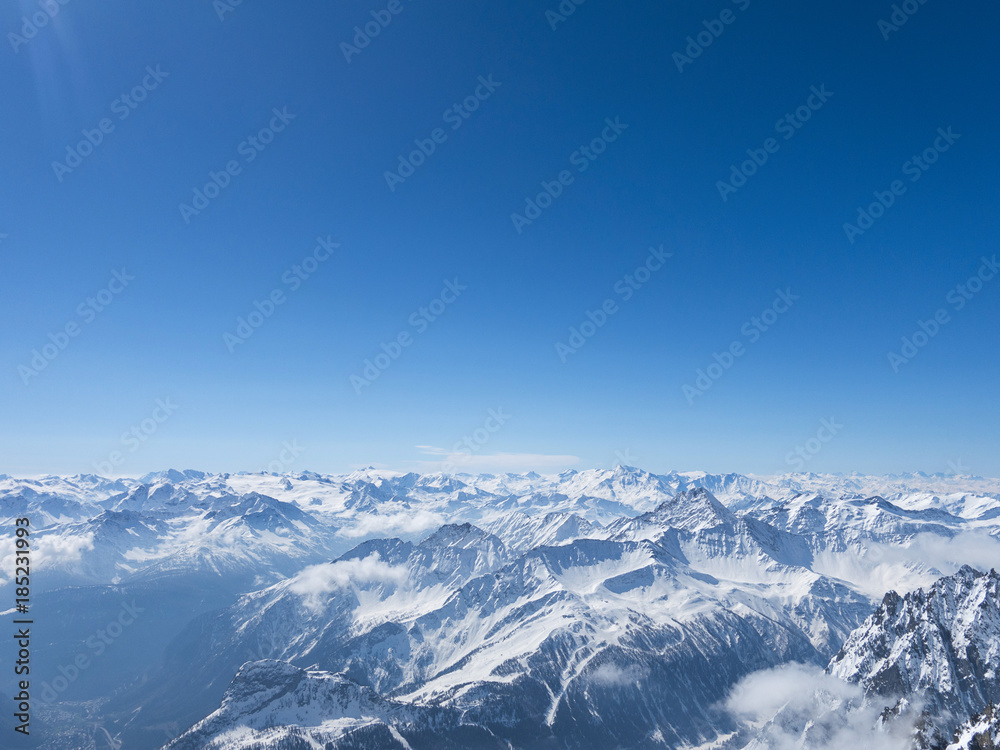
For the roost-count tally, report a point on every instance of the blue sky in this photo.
(307, 213)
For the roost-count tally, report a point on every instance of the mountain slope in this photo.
(981, 732)
(272, 705)
(594, 641)
(940, 643)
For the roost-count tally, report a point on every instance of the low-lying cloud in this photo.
(976, 548)
(55, 549)
(317, 582)
(919, 562)
(490, 463)
(612, 675)
(387, 524)
(799, 706)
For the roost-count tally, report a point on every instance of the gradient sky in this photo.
(620, 397)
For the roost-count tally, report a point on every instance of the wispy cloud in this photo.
(904, 567)
(492, 462)
(800, 706)
(387, 524)
(976, 548)
(317, 582)
(51, 550)
(612, 675)
(56, 549)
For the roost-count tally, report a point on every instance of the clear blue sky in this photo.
(548, 92)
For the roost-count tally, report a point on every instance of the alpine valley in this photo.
(592, 609)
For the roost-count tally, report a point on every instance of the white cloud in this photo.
(53, 549)
(50, 550)
(317, 582)
(611, 675)
(798, 706)
(490, 463)
(906, 567)
(387, 524)
(975, 548)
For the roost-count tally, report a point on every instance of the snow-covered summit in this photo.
(941, 643)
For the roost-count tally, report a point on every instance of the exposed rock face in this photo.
(939, 646)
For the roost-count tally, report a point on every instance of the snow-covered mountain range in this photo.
(592, 609)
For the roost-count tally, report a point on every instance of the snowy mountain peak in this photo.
(621, 471)
(693, 510)
(257, 682)
(268, 693)
(272, 704)
(981, 732)
(942, 642)
(157, 495)
(456, 535)
(172, 475)
(967, 574)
